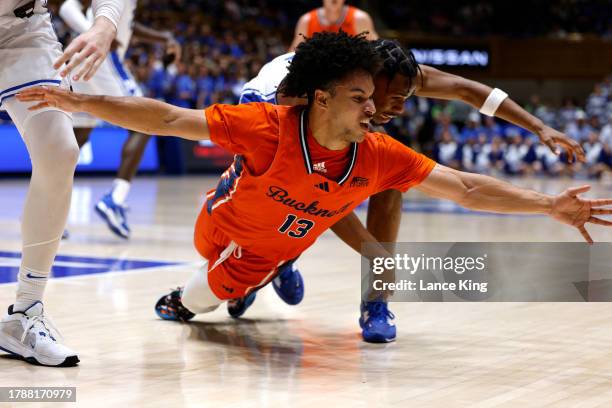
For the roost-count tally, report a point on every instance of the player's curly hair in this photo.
(326, 58)
(397, 60)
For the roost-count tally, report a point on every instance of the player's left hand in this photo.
(552, 138)
(51, 96)
(88, 50)
(570, 209)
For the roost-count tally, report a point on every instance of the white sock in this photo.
(198, 297)
(120, 191)
(31, 288)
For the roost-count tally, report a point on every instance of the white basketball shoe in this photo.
(31, 336)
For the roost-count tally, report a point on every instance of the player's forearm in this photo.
(440, 84)
(484, 193)
(147, 34)
(354, 234)
(71, 11)
(143, 115)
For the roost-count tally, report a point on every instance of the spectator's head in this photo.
(333, 4)
(515, 139)
(444, 118)
(594, 122)
(497, 142)
(395, 82)
(593, 137)
(447, 137)
(473, 120)
(580, 117)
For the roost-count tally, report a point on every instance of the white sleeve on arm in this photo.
(111, 9)
(71, 12)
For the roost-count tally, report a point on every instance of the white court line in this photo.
(123, 271)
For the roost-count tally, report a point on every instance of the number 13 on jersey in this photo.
(294, 227)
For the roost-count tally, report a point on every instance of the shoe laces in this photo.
(44, 322)
(379, 310)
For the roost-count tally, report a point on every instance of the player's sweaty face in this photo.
(352, 107)
(390, 96)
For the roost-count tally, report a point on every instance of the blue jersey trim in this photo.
(6, 93)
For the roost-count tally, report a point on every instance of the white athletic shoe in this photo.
(31, 336)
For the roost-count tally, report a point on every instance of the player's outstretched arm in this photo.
(484, 193)
(143, 115)
(442, 85)
(89, 49)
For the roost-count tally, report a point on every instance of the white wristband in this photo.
(495, 98)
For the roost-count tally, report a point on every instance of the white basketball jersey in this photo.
(124, 27)
(8, 6)
(263, 87)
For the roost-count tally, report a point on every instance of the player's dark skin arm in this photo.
(438, 84)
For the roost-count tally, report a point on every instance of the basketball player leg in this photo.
(53, 150)
(183, 303)
(384, 216)
(82, 135)
(111, 206)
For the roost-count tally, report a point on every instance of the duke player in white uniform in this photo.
(400, 78)
(30, 55)
(114, 79)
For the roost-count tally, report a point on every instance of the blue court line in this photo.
(67, 265)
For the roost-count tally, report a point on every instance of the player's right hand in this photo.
(51, 96)
(553, 138)
(572, 210)
(88, 50)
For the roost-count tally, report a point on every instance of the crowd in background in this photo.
(458, 136)
(227, 45)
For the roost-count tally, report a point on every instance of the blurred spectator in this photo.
(446, 150)
(514, 155)
(444, 125)
(579, 129)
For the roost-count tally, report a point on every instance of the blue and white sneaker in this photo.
(114, 216)
(376, 322)
(237, 307)
(31, 335)
(289, 284)
(170, 307)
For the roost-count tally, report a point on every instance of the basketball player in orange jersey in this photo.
(269, 206)
(333, 17)
(400, 77)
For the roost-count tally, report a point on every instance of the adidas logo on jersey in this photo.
(320, 167)
(323, 186)
(359, 182)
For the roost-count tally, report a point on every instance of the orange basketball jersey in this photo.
(278, 212)
(346, 22)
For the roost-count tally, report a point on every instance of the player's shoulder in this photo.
(305, 18)
(269, 109)
(379, 141)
